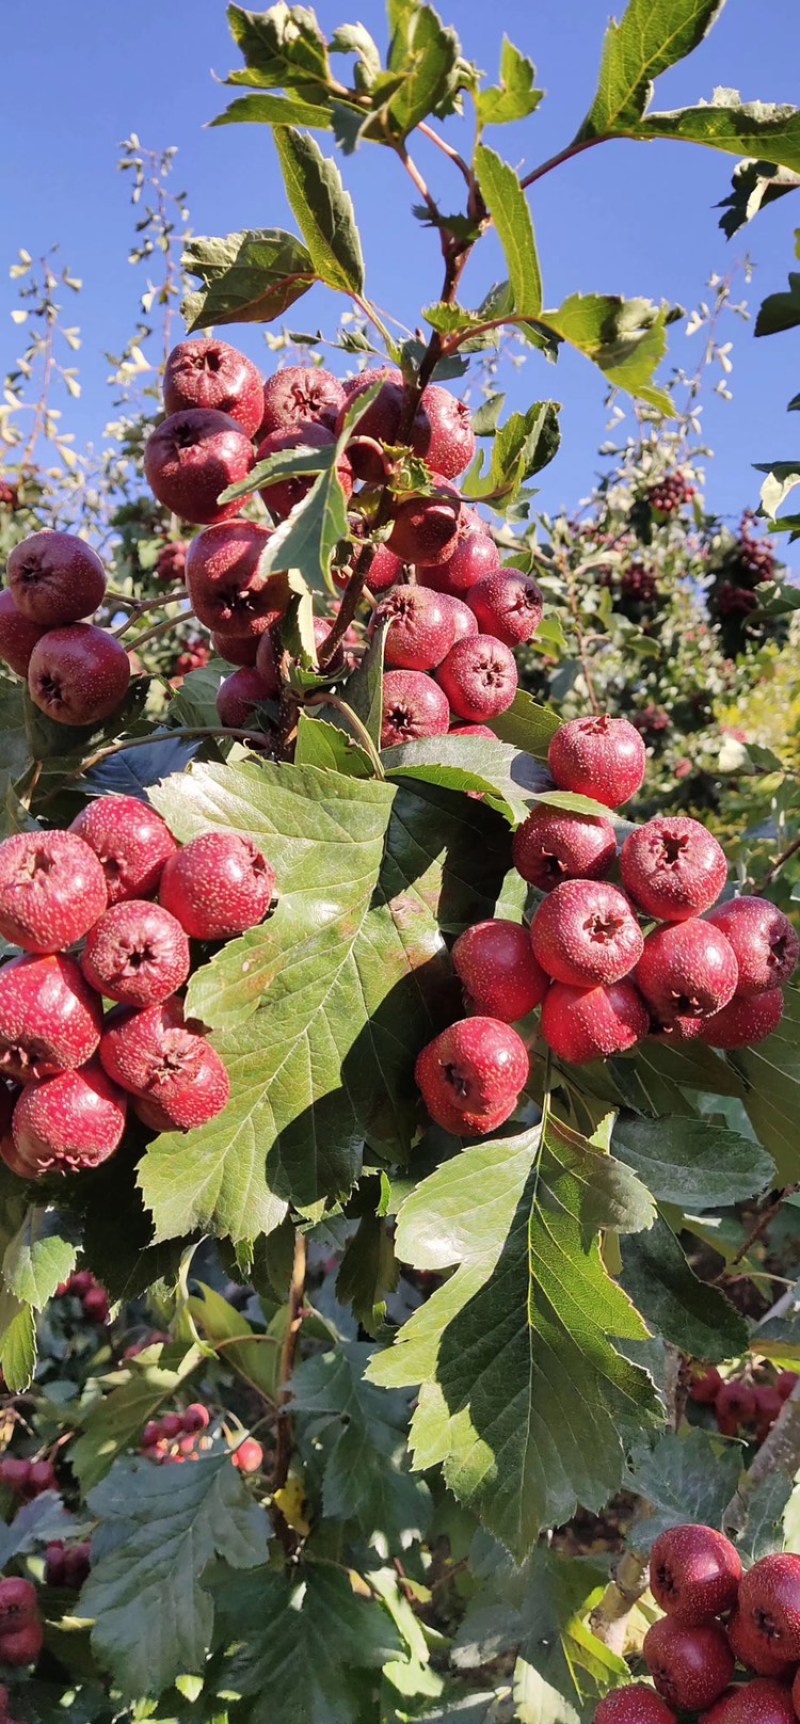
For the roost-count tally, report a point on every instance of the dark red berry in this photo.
(581, 1024)
(687, 972)
(50, 1019)
(52, 889)
(193, 457)
(130, 841)
(18, 635)
(551, 846)
(55, 578)
(206, 372)
(413, 707)
(507, 605)
(585, 933)
(154, 1054)
(217, 886)
(673, 868)
(498, 971)
(694, 1573)
(136, 953)
(471, 1075)
(600, 757)
(69, 1122)
(765, 943)
(78, 675)
(689, 1666)
(298, 394)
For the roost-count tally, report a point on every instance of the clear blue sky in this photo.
(624, 218)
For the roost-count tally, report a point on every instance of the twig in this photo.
(609, 1622)
(447, 150)
(791, 850)
(780, 1453)
(159, 629)
(285, 1432)
(764, 1219)
(565, 155)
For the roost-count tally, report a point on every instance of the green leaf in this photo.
(113, 1424)
(508, 206)
(509, 779)
(355, 39)
(360, 1431)
(691, 1162)
(690, 1314)
(274, 111)
(324, 1007)
(625, 337)
(527, 726)
(523, 446)
(515, 97)
(754, 186)
(687, 1477)
(763, 1533)
(780, 311)
(281, 48)
(652, 36)
(425, 70)
(523, 1391)
(322, 209)
(764, 130)
(35, 1524)
(367, 1272)
(305, 1643)
(17, 1342)
(248, 277)
(160, 1528)
(771, 1073)
(42, 1254)
(322, 744)
(255, 1356)
(306, 541)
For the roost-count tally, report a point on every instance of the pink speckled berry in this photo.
(68, 1122)
(413, 707)
(743, 1023)
(218, 885)
(551, 846)
(240, 694)
(52, 888)
(18, 635)
(191, 458)
(689, 1666)
(228, 590)
(79, 674)
(471, 1075)
(636, 1704)
(479, 677)
(207, 372)
(55, 578)
(50, 1019)
(137, 953)
(585, 933)
(687, 971)
(420, 631)
(694, 1573)
(769, 1604)
(508, 605)
(425, 528)
(498, 971)
(673, 868)
(154, 1054)
(765, 943)
(298, 394)
(600, 757)
(472, 556)
(581, 1024)
(130, 841)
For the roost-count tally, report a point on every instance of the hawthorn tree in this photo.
(352, 1367)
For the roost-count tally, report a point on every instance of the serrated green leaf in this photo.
(322, 209)
(159, 1529)
(687, 1477)
(689, 1313)
(508, 206)
(522, 1388)
(527, 725)
(255, 1356)
(691, 1162)
(306, 1644)
(322, 744)
(507, 778)
(17, 1342)
(282, 48)
(515, 96)
(360, 1432)
(274, 111)
(763, 1532)
(625, 338)
(34, 1524)
(367, 1272)
(355, 39)
(306, 541)
(424, 70)
(248, 277)
(41, 1254)
(754, 186)
(780, 311)
(765, 130)
(771, 1074)
(652, 36)
(113, 1424)
(324, 1007)
(525, 444)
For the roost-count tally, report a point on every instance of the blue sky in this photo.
(623, 218)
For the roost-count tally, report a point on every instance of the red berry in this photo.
(151, 1434)
(581, 1024)
(23, 1644)
(18, 635)
(425, 528)
(18, 1600)
(196, 1418)
(765, 943)
(479, 677)
(442, 432)
(507, 605)
(600, 757)
(704, 1388)
(55, 578)
(282, 495)
(769, 1602)
(753, 1650)
(171, 562)
(78, 675)
(218, 885)
(81, 1282)
(55, 1568)
(689, 1666)
(50, 1020)
(14, 1474)
(673, 868)
(735, 1405)
(421, 629)
(171, 1426)
(78, 1565)
(498, 971)
(228, 590)
(154, 1054)
(759, 1702)
(694, 1573)
(131, 842)
(297, 394)
(472, 1074)
(473, 730)
(95, 1305)
(69, 1122)
(41, 1477)
(742, 1023)
(193, 457)
(413, 707)
(248, 1456)
(634, 1705)
(465, 622)
(585, 933)
(236, 649)
(240, 695)
(786, 1384)
(551, 846)
(52, 889)
(152, 1114)
(687, 971)
(137, 953)
(209, 373)
(769, 1404)
(473, 555)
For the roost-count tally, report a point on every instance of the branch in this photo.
(780, 1453)
(447, 150)
(285, 1433)
(767, 1215)
(351, 597)
(791, 850)
(609, 1622)
(565, 155)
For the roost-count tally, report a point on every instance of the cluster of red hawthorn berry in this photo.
(178, 1437)
(21, 1630)
(602, 983)
(77, 673)
(669, 494)
(73, 1069)
(742, 1405)
(84, 1287)
(717, 1618)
